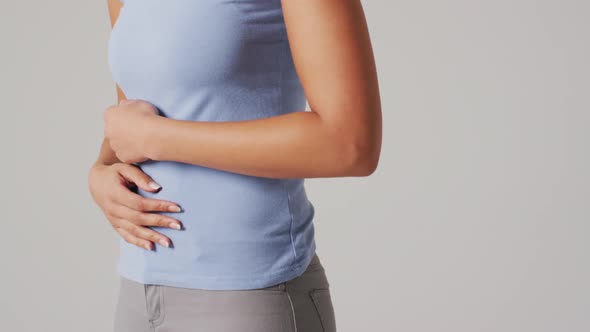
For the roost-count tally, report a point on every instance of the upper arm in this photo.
(332, 53)
(114, 6)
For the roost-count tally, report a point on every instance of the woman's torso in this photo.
(215, 60)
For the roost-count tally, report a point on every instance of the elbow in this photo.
(363, 158)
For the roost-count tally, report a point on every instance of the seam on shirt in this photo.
(291, 220)
(285, 46)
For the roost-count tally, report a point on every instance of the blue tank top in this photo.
(215, 60)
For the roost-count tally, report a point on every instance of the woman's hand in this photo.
(127, 127)
(126, 211)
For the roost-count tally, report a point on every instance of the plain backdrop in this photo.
(477, 218)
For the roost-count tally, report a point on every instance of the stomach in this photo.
(227, 219)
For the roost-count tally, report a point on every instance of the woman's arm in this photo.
(109, 182)
(106, 155)
(341, 136)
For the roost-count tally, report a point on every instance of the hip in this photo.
(301, 304)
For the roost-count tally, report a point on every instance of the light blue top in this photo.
(215, 60)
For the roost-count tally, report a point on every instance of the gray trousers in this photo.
(302, 304)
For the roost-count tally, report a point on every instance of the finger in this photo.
(140, 203)
(136, 175)
(155, 220)
(130, 238)
(143, 219)
(126, 101)
(145, 233)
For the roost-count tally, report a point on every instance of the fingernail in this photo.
(174, 208)
(148, 246)
(164, 242)
(175, 225)
(154, 185)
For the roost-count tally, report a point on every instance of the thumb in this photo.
(137, 176)
(125, 101)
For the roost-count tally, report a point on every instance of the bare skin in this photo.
(110, 181)
(340, 136)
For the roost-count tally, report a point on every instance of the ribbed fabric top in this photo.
(215, 60)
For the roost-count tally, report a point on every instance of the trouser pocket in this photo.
(323, 305)
(154, 303)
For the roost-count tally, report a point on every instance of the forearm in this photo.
(106, 155)
(294, 145)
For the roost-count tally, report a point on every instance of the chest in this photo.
(157, 45)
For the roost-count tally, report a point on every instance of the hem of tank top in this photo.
(221, 283)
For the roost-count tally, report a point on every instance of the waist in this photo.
(200, 190)
(220, 203)
(249, 231)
